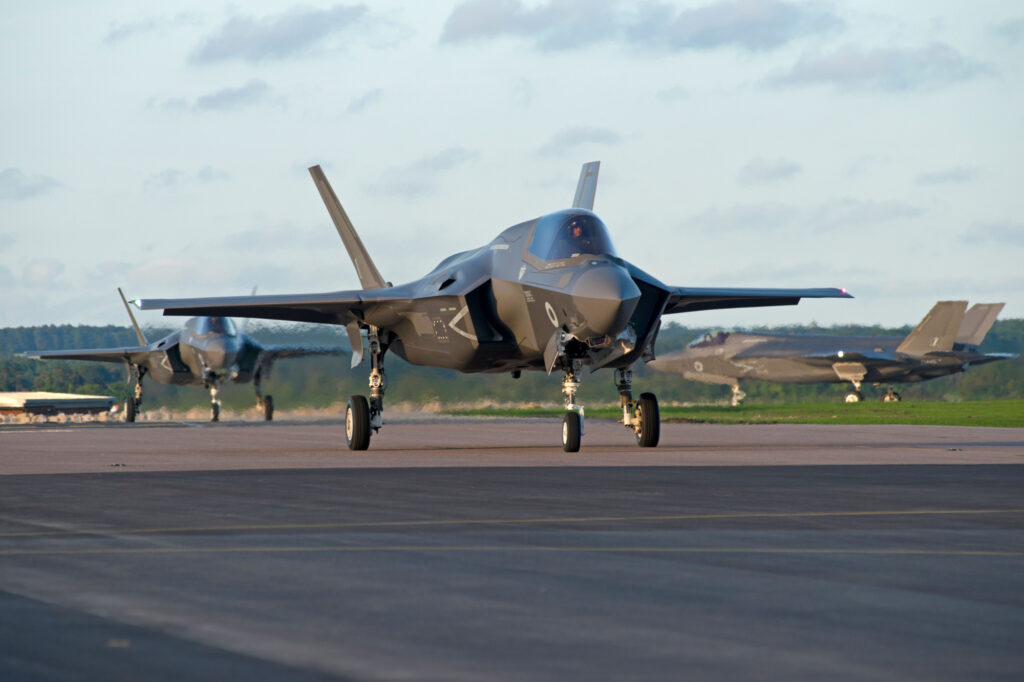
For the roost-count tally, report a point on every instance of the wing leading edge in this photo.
(339, 307)
(690, 299)
(122, 354)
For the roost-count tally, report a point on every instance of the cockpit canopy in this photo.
(570, 233)
(708, 340)
(202, 326)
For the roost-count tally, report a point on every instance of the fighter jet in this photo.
(549, 293)
(207, 351)
(945, 342)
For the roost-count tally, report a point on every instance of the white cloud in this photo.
(42, 272)
(571, 138)
(277, 36)
(890, 69)
(17, 186)
(419, 177)
(762, 171)
(947, 176)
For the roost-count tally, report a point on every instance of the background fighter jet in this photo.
(206, 351)
(945, 342)
(546, 294)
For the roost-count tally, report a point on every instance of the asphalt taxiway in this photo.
(479, 550)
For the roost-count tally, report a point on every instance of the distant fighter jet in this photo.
(206, 351)
(945, 342)
(546, 294)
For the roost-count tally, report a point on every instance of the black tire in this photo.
(357, 423)
(214, 412)
(853, 397)
(268, 408)
(891, 397)
(572, 431)
(650, 421)
(131, 408)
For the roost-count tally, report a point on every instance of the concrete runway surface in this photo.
(476, 549)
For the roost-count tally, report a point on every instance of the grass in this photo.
(1006, 413)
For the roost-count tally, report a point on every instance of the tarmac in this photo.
(476, 549)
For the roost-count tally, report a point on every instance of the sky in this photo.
(163, 148)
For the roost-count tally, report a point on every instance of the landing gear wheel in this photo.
(268, 408)
(214, 412)
(572, 429)
(648, 417)
(357, 423)
(854, 397)
(892, 397)
(131, 408)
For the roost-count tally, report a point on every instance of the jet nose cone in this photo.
(605, 296)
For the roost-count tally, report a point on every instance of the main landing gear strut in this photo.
(642, 416)
(854, 396)
(131, 404)
(361, 415)
(213, 385)
(264, 403)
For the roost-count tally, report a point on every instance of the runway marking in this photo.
(516, 548)
(500, 522)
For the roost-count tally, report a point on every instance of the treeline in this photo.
(322, 381)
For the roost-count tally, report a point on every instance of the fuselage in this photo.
(719, 357)
(497, 308)
(204, 350)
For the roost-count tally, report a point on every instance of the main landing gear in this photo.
(854, 396)
(264, 403)
(213, 385)
(891, 396)
(643, 415)
(131, 404)
(362, 415)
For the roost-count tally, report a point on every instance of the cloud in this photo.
(7, 240)
(6, 277)
(17, 186)
(365, 101)
(890, 69)
(170, 178)
(753, 25)
(1012, 31)
(417, 177)
(42, 272)
(674, 94)
(836, 214)
(571, 138)
(761, 171)
(232, 99)
(122, 31)
(277, 36)
(1002, 233)
(273, 238)
(958, 174)
(866, 163)
(250, 94)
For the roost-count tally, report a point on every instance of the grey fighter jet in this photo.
(945, 342)
(546, 294)
(207, 351)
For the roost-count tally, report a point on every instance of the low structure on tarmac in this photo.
(51, 404)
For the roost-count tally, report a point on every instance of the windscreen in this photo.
(712, 339)
(214, 325)
(570, 233)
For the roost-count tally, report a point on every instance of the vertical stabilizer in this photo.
(369, 275)
(978, 320)
(587, 186)
(937, 331)
(138, 330)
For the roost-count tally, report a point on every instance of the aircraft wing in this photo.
(125, 354)
(338, 307)
(690, 299)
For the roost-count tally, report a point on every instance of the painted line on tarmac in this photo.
(355, 549)
(508, 522)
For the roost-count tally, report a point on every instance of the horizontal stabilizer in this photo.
(937, 331)
(369, 275)
(977, 322)
(587, 186)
